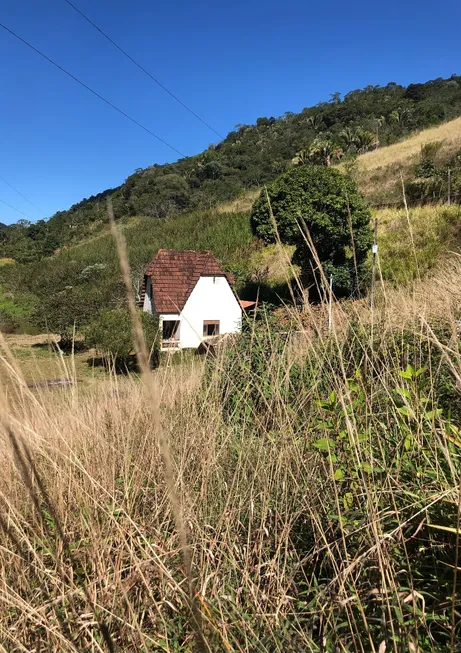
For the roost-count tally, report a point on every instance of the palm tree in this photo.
(364, 140)
(348, 135)
(300, 158)
(315, 121)
(338, 153)
(406, 114)
(322, 149)
(379, 122)
(401, 115)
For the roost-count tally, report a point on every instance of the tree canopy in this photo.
(324, 204)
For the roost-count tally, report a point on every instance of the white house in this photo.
(192, 296)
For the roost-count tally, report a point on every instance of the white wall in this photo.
(211, 299)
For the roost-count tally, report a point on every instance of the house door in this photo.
(170, 333)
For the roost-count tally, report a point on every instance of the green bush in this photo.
(111, 333)
(8, 322)
(329, 205)
(379, 352)
(257, 380)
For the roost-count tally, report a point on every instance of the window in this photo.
(170, 330)
(210, 328)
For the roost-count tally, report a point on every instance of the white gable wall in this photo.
(211, 299)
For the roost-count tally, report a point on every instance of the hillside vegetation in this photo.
(448, 133)
(248, 157)
(421, 161)
(79, 281)
(299, 488)
(47, 286)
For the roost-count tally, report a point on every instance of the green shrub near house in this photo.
(111, 334)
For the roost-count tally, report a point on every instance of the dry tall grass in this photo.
(241, 204)
(314, 498)
(449, 133)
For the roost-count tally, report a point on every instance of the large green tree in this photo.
(319, 203)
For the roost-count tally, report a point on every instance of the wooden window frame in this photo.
(215, 323)
(176, 336)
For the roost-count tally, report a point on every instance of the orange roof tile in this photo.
(245, 303)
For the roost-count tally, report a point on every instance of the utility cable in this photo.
(15, 209)
(7, 29)
(124, 52)
(19, 193)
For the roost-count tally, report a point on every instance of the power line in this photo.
(7, 29)
(175, 97)
(19, 193)
(15, 209)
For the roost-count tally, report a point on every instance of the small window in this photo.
(170, 330)
(210, 328)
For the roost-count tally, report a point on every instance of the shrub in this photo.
(111, 333)
(258, 380)
(8, 322)
(329, 205)
(373, 418)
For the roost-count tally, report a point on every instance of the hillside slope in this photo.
(421, 160)
(248, 157)
(83, 275)
(448, 133)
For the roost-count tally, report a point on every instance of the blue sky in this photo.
(230, 62)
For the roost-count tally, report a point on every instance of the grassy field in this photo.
(379, 173)
(413, 243)
(39, 360)
(298, 492)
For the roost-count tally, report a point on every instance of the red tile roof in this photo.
(174, 275)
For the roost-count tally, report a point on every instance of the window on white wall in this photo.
(170, 330)
(210, 328)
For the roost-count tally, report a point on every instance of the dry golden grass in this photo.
(241, 204)
(89, 542)
(449, 133)
(293, 493)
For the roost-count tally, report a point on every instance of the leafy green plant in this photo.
(325, 204)
(111, 333)
(8, 322)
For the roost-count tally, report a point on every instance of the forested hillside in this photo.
(249, 156)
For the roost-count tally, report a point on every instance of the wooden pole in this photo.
(373, 274)
(449, 186)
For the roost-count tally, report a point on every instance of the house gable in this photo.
(191, 287)
(174, 275)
